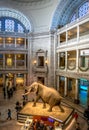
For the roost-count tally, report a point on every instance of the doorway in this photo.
(40, 79)
(83, 92)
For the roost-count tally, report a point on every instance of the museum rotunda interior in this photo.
(44, 62)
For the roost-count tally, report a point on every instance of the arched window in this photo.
(9, 25)
(20, 28)
(73, 18)
(83, 10)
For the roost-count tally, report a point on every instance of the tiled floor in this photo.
(14, 125)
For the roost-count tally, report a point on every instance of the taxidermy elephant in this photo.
(48, 95)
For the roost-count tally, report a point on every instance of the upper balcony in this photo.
(75, 33)
(13, 61)
(13, 43)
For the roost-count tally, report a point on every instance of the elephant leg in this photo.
(62, 110)
(37, 98)
(44, 104)
(50, 108)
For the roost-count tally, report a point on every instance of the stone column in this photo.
(65, 89)
(15, 61)
(4, 42)
(25, 43)
(25, 61)
(77, 33)
(3, 60)
(58, 61)
(51, 56)
(76, 93)
(77, 60)
(58, 40)
(66, 60)
(29, 59)
(15, 41)
(66, 36)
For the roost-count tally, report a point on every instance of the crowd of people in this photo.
(40, 125)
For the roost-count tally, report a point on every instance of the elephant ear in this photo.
(33, 87)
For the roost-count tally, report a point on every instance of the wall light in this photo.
(46, 62)
(34, 62)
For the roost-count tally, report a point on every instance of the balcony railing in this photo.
(13, 68)
(40, 69)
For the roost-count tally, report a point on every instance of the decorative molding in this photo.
(71, 67)
(83, 68)
(62, 67)
(74, 75)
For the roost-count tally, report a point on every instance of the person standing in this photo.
(9, 114)
(77, 126)
(76, 116)
(4, 92)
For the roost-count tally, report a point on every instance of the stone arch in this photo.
(63, 12)
(17, 15)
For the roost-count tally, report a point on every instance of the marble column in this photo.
(15, 41)
(25, 43)
(58, 61)
(3, 60)
(15, 61)
(65, 89)
(78, 33)
(66, 60)
(77, 60)
(58, 40)
(76, 93)
(4, 42)
(66, 36)
(25, 61)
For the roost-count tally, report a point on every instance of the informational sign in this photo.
(84, 52)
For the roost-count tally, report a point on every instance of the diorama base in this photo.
(56, 114)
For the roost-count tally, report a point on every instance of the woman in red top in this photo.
(76, 116)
